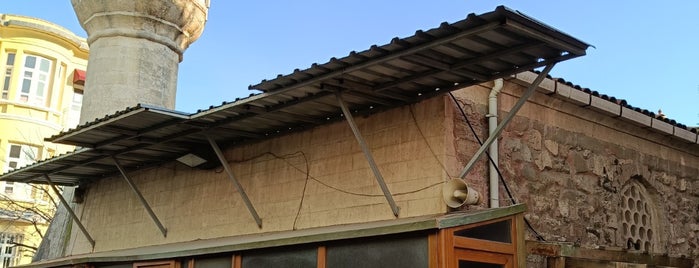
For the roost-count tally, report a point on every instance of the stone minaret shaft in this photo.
(135, 50)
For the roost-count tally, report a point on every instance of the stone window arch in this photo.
(638, 217)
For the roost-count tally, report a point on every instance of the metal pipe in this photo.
(367, 153)
(530, 90)
(237, 184)
(493, 150)
(140, 197)
(70, 210)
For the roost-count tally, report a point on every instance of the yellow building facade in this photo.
(40, 95)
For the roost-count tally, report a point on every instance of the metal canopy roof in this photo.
(478, 49)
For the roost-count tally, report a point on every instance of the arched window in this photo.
(638, 217)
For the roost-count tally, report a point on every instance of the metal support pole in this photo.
(530, 90)
(140, 197)
(237, 185)
(70, 210)
(367, 153)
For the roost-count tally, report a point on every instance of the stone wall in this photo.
(588, 178)
(308, 179)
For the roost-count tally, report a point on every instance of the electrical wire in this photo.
(342, 190)
(307, 172)
(424, 138)
(303, 193)
(502, 178)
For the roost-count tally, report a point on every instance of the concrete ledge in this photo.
(686, 135)
(662, 126)
(563, 90)
(580, 96)
(568, 93)
(547, 86)
(575, 96)
(635, 117)
(605, 106)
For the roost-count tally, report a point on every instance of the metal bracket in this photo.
(70, 210)
(367, 153)
(505, 121)
(140, 197)
(237, 185)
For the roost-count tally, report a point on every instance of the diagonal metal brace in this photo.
(237, 184)
(367, 153)
(140, 197)
(70, 210)
(496, 134)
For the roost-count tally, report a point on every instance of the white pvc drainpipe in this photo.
(493, 149)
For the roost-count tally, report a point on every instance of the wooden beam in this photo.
(520, 245)
(322, 256)
(555, 262)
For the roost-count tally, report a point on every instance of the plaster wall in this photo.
(588, 178)
(308, 179)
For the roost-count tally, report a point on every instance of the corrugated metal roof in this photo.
(407, 70)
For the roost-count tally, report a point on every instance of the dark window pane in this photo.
(10, 59)
(475, 264)
(217, 262)
(26, 84)
(497, 231)
(292, 258)
(15, 150)
(30, 62)
(6, 85)
(404, 252)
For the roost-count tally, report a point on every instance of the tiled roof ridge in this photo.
(615, 107)
(623, 102)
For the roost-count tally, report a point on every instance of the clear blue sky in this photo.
(646, 53)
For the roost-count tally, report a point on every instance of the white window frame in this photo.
(72, 116)
(77, 101)
(34, 86)
(7, 79)
(9, 252)
(15, 159)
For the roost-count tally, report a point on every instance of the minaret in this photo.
(135, 50)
